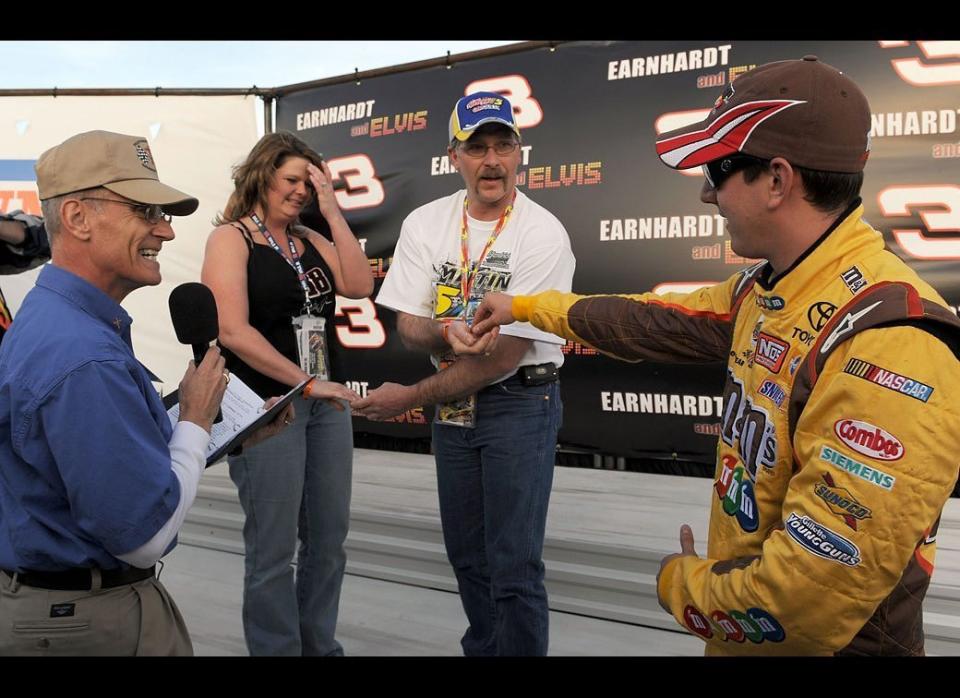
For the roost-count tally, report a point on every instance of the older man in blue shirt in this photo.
(94, 480)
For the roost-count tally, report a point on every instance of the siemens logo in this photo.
(854, 467)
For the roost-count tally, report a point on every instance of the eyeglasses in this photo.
(479, 150)
(151, 213)
(718, 171)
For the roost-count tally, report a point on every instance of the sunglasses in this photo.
(718, 171)
(151, 213)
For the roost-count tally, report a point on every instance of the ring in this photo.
(226, 376)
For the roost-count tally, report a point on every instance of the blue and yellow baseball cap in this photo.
(480, 108)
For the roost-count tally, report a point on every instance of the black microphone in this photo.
(194, 314)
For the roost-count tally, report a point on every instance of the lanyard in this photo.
(297, 266)
(466, 280)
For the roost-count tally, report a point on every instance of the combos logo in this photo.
(735, 491)
(821, 541)
(388, 126)
(855, 467)
(854, 280)
(770, 352)
(755, 625)
(774, 392)
(869, 440)
(889, 379)
(840, 501)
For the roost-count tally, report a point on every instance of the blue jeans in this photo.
(296, 486)
(494, 484)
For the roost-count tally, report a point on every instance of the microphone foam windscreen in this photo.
(194, 314)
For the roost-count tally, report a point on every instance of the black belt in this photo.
(81, 579)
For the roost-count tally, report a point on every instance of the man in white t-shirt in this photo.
(498, 397)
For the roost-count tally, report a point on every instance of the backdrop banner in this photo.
(195, 142)
(589, 113)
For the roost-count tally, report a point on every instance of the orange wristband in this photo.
(305, 393)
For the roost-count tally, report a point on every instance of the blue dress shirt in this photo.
(85, 469)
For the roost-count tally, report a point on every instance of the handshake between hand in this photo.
(481, 337)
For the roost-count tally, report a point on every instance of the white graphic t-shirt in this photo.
(531, 254)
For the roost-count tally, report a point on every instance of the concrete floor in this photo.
(382, 619)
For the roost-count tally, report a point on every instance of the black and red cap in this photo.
(803, 110)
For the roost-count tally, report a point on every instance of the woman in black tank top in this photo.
(264, 268)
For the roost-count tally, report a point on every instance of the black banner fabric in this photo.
(589, 112)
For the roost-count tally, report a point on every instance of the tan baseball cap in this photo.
(123, 164)
(803, 110)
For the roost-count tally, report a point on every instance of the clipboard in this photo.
(243, 414)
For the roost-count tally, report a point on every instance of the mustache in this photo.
(493, 172)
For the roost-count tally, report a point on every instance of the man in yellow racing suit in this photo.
(840, 433)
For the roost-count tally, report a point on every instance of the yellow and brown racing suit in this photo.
(839, 444)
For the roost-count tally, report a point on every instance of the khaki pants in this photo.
(134, 619)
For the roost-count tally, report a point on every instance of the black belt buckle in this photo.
(538, 374)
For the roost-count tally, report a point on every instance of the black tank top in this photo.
(274, 298)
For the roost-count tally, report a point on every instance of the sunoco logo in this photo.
(869, 440)
(821, 541)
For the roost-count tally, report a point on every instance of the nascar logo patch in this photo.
(888, 379)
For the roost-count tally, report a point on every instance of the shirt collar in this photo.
(768, 280)
(87, 297)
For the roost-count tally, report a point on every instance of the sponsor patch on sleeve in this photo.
(819, 540)
(841, 501)
(869, 440)
(754, 624)
(858, 469)
(888, 379)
